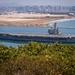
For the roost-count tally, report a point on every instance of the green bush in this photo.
(38, 59)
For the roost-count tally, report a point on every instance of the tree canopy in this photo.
(38, 59)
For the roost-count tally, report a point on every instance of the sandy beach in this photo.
(26, 19)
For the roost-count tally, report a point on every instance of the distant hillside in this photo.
(9, 4)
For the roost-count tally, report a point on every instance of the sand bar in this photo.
(26, 19)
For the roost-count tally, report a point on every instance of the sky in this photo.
(38, 2)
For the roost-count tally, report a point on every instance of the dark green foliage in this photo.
(38, 59)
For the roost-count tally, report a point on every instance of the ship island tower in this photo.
(53, 30)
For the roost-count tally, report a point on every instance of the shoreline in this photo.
(62, 20)
(32, 19)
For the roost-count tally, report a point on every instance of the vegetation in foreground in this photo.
(38, 59)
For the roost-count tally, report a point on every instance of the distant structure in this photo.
(71, 14)
(53, 30)
(38, 9)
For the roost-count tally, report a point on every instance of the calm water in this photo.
(23, 29)
(66, 24)
(39, 30)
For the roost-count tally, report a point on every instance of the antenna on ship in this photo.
(55, 25)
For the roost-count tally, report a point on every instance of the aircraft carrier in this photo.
(52, 36)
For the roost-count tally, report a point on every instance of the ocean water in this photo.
(9, 43)
(41, 30)
(24, 29)
(68, 28)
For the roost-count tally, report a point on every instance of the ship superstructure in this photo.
(53, 30)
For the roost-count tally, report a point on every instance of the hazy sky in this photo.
(39, 2)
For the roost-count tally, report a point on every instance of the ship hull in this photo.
(38, 37)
